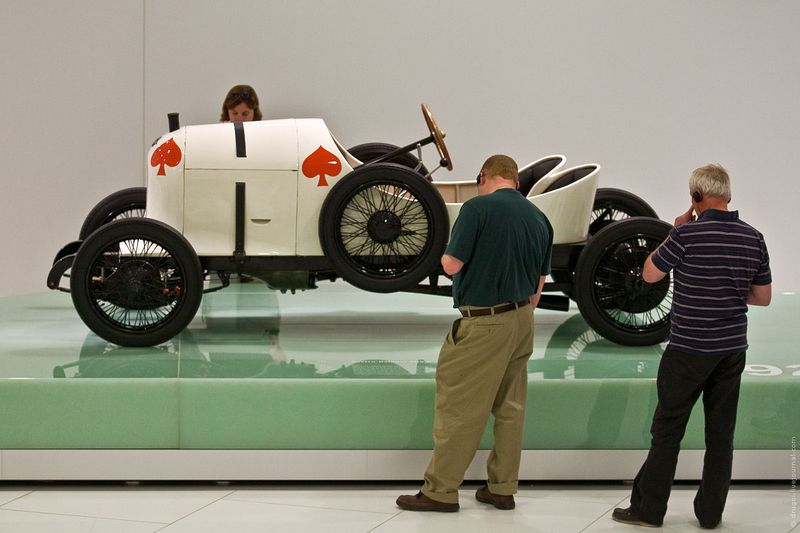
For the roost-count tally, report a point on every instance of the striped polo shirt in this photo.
(715, 260)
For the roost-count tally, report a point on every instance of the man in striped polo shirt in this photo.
(720, 266)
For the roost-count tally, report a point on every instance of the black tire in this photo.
(127, 203)
(370, 151)
(136, 282)
(384, 228)
(611, 205)
(611, 294)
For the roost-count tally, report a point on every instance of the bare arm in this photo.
(760, 294)
(451, 265)
(538, 293)
(650, 273)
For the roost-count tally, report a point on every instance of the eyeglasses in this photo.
(478, 179)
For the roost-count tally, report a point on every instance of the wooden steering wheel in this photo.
(438, 138)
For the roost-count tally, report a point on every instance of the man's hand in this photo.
(688, 216)
(538, 294)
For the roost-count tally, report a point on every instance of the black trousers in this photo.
(681, 379)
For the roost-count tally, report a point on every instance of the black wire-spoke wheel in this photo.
(610, 205)
(136, 282)
(613, 205)
(611, 294)
(370, 151)
(384, 227)
(127, 203)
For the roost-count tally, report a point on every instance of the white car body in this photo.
(196, 195)
(282, 201)
(568, 209)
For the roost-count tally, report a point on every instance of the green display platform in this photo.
(341, 369)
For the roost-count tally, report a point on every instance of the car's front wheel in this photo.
(126, 203)
(384, 228)
(370, 151)
(136, 282)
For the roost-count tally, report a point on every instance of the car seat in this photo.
(534, 172)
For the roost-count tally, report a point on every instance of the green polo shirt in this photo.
(505, 243)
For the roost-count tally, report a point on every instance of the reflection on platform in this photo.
(249, 331)
(189, 358)
(245, 342)
(237, 336)
(575, 351)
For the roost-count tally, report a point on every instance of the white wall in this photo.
(72, 124)
(650, 90)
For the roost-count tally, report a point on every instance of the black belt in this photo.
(496, 310)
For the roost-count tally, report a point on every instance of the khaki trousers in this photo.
(482, 370)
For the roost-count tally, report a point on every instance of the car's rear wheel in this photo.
(136, 282)
(611, 294)
(127, 203)
(384, 228)
(611, 205)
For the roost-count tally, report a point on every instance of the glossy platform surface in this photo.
(339, 368)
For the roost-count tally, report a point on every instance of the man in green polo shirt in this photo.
(499, 256)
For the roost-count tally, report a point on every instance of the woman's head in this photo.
(240, 105)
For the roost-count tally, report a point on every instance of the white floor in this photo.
(244, 508)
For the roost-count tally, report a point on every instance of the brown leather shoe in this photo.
(420, 502)
(629, 516)
(500, 501)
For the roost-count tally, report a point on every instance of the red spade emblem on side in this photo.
(321, 163)
(166, 154)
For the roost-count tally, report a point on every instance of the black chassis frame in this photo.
(302, 272)
(292, 273)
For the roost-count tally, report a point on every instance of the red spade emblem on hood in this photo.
(321, 163)
(167, 154)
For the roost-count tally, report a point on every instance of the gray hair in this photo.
(711, 180)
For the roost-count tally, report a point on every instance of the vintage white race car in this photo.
(285, 202)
